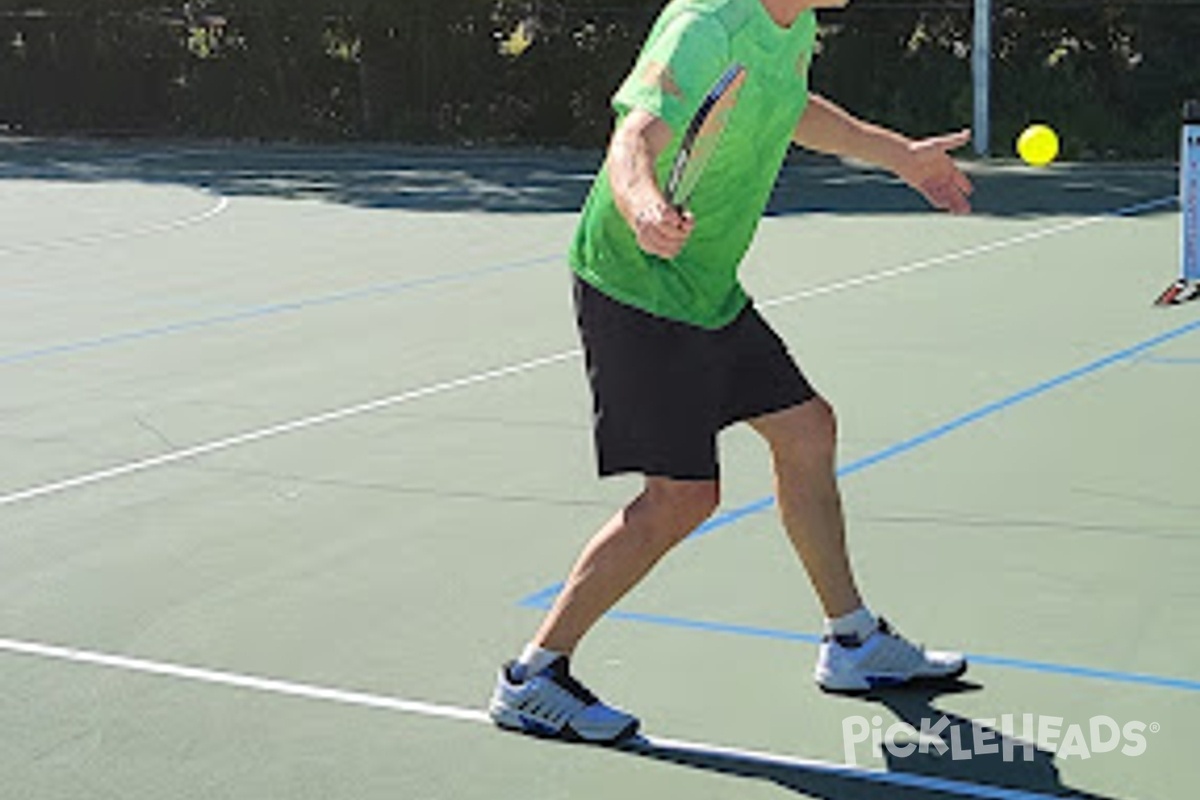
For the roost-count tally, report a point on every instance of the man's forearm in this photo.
(632, 157)
(827, 128)
(661, 229)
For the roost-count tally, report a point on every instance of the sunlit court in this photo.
(301, 441)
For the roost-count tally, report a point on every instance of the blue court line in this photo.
(888, 453)
(271, 309)
(542, 601)
(1148, 205)
(544, 597)
(267, 310)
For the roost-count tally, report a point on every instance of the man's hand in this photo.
(924, 164)
(661, 229)
(928, 168)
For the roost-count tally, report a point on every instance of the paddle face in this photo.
(703, 134)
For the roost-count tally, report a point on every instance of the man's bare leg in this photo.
(803, 442)
(621, 554)
(861, 652)
(537, 694)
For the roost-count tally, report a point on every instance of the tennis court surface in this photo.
(297, 448)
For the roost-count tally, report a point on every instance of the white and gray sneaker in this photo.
(553, 705)
(849, 665)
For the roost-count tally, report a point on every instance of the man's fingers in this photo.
(947, 195)
(662, 230)
(951, 141)
(666, 247)
(963, 183)
(662, 240)
(670, 232)
(676, 220)
(938, 177)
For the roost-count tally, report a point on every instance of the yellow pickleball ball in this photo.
(1038, 145)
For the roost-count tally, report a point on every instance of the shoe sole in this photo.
(523, 726)
(920, 680)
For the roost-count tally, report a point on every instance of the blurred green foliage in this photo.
(1110, 76)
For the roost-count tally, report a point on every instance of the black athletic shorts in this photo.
(662, 390)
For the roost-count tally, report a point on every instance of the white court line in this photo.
(195, 451)
(254, 683)
(937, 261)
(112, 236)
(187, 453)
(442, 711)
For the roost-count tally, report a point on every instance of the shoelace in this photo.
(562, 676)
(885, 627)
(881, 626)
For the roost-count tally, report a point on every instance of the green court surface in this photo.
(298, 444)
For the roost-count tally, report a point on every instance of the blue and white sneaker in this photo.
(553, 705)
(849, 665)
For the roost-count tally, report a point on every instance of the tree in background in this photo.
(1110, 75)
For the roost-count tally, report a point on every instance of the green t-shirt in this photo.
(691, 45)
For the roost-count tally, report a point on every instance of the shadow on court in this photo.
(915, 777)
(541, 181)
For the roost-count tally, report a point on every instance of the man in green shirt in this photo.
(676, 351)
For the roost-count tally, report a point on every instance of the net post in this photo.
(1187, 287)
(981, 62)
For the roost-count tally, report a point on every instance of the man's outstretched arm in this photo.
(924, 164)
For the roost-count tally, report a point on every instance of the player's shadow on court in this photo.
(925, 774)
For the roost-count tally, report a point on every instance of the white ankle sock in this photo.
(860, 623)
(535, 659)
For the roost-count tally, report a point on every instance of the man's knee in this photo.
(686, 504)
(804, 433)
